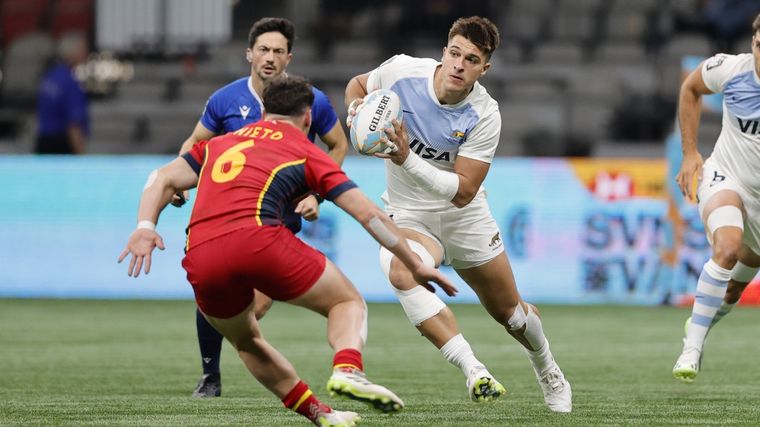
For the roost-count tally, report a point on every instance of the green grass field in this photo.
(65, 362)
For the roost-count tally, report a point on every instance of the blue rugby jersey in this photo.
(237, 104)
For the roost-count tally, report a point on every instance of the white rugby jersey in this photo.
(437, 133)
(737, 151)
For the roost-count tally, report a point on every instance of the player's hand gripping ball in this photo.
(373, 116)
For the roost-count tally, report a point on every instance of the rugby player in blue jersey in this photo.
(270, 44)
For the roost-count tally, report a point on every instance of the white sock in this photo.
(541, 358)
(711, 289)
(459, 353)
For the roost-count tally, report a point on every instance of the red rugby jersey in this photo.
(248, 178)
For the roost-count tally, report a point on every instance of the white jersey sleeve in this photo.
(719, 69)
(482, 141)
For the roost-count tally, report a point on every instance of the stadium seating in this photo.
(564, 67)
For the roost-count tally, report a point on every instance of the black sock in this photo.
(210, 343)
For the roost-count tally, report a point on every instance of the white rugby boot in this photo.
(557, 392)
(688, 364)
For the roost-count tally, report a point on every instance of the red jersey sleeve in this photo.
(196, 155)
(324, 176)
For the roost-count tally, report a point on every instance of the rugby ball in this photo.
(372, 117)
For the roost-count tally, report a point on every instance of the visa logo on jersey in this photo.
(748, 126)
(429, 152)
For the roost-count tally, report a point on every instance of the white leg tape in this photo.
(419, 304)
(518, 319)
(534, 332)
(386, 256)
(363, 331)
(725, 216)
(743, 273)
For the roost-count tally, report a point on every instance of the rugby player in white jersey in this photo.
(444, 149)
(728, 191)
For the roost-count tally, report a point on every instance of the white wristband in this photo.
(146, 224)
(442, 183)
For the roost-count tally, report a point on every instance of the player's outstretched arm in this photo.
(689, 112)
(382, 228)
(161, 186)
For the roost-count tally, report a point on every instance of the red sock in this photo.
(303, 401)
(348, 358)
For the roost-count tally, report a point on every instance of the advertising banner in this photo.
(576, 231)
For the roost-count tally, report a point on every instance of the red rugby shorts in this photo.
(224, 271)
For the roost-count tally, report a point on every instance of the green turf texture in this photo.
(72, 362)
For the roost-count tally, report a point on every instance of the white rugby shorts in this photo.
(714, 181)
(468, 236)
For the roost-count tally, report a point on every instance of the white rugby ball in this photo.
(372, 117)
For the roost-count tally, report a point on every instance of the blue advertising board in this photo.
(576, 231)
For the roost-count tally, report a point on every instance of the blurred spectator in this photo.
(725, 21)
(62, 106)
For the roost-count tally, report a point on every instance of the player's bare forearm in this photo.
(336, 142)
(689, 112)
(690, 109)
(356, 88)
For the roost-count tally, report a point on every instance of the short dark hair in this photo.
(267, 25)
(480, 31)
(756, 24)
(288, 96)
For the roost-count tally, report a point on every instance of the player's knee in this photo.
(516, 317)
(394, 269)
(726, 223)
(726, 251)
(419, 304)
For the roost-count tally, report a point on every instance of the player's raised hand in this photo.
(141, 244)
(353, 108)
(308, 208)
(425, 274)
(397, 142)
(691, 166)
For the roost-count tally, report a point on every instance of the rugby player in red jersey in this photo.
(237, 243)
